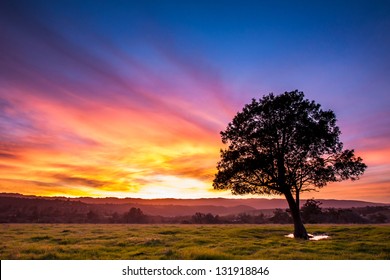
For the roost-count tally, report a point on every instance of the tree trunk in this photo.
(299, 228)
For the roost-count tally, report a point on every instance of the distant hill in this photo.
(184, 207)
(16, 208)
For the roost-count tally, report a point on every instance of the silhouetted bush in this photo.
(311, 212)
(281, 217)
(135, 216)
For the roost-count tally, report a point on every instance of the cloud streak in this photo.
(114, 122)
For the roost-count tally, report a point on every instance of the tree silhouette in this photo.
(284, 145)
(311, 211)
(135, 216)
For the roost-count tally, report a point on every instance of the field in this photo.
(89, 241)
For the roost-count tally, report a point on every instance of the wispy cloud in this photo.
(138, 124)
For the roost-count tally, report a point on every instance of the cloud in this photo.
(94, 110)
(27, 130)
(90, 82)
(77, 181)
(8, 156)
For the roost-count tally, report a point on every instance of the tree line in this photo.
(42, 211)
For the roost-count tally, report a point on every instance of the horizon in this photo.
(116, 99)
(200, 198)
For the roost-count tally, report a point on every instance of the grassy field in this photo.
(86, 241)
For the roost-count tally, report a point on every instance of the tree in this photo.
(135, 216)
(201, 218)
(93, 217)
(311, 211)
(284, 145)
(280, 217)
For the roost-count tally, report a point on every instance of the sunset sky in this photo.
(127, 98)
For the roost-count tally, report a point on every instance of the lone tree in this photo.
(284, 145)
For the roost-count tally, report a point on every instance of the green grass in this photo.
(86, 241)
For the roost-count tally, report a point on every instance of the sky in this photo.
(127, 98)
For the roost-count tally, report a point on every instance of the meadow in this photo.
(90, 241)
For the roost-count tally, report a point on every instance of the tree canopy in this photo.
(284, 144)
